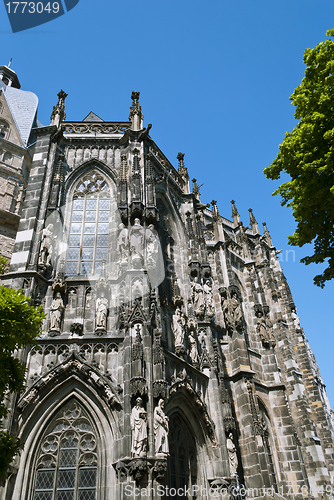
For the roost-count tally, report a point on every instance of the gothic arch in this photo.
(34, 426)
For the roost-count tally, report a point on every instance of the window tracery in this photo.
(89, 229)
(67, 460)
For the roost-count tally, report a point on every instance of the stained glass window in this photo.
(89, 228)
(67, 463)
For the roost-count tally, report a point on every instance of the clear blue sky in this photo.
(215, 79)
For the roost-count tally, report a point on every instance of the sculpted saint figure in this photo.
(232, 313)
(208, 299)
(178, 327)
(193, 350)
(46, 250)
(232, 454)
(139, 429)
(122, 242)
(198, 298)
(161, 429)
(101, 311)
(56, 309)
(152, 245)
(136, 240)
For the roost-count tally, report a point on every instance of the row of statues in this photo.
(179, 323)
(138, 422)
(137, 241)
(202, 299)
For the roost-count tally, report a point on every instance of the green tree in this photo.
(3, 264)
(20, 323)
(307, 155)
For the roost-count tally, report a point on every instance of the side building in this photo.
(172, 357)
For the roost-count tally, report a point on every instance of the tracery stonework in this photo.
(168, 356)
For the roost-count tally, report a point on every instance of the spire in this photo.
(266, 234)
(58, 113)
(235, 214)
(253, 222)
(136, 115)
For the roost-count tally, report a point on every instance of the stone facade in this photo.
(171, 354)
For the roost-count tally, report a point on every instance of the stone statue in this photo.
(193, 350)
(261, 326)
(232, 454)
(160, 429)
(46, 250)
(139, 429)
(137, 242)
(232, 313)
(123, 242)
(101, 311)
(178, 327)
(152, 245)
(198, 298)
(208, 299)
(56, 310)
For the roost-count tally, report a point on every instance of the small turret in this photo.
(253, 222)
(58, 113)
(136, 115)
(235, 214)
(9, 77)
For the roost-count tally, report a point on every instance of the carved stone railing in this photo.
(106, 128)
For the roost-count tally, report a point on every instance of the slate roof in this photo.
(23, 107)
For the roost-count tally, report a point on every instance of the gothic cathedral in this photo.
(172, 362)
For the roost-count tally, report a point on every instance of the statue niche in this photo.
(231, 305)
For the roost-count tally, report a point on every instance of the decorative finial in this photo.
(215, 213)
(253, 222)
(182, 169)
(235, 214)
(58, 113)
(266, 234)
(136, 115)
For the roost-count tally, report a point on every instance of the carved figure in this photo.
(161, 429)
(136, 240)
(101, 311)
(193, 350)
(46, 250)
(198, 298)
(152, 245)
(139, 429)
(232, 313)
(261, 326)
(123, 242)
(178, 327)
(56, 309)
(208, 299)
(232, 454)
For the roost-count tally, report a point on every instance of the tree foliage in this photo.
(307, 155)
(20, 323)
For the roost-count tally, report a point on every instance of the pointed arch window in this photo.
(89, 228)
(67, 460)
(182, 457)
